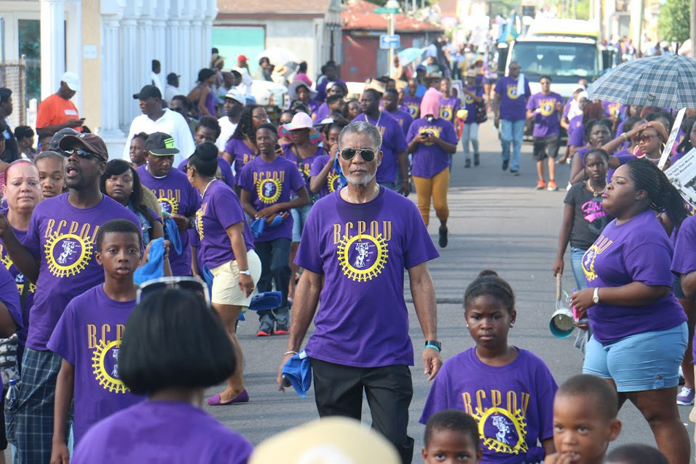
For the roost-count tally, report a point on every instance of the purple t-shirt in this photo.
(513, 404)
(321, 88)
(636, 251)
(429, 159)
(220, 209)
(268, 184)
(413, 105)
(684, 261)
(225, 170)
(176, 195)
(303, 165)
(449, 108)
(88, 337)
(546, 120)
(21, 282)
(470, 104)
(241, 154)
(362, 251)
(513, 107)
(613, 110)
(162, 431)
(403, 117)
(63, 237)
(321, 113)
(576, 132)
(333, 180)
(393, 143)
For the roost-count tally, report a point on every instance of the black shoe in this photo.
(467, 163)
(443, 237)
(505, 164)
(476, 159)
(514, 172)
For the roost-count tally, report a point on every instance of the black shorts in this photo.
(546, 147)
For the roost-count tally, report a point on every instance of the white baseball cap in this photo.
(236, 95)
(71, 80)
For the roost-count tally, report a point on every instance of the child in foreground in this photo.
(584, 420)
(451, 436)
(88, 338)
(635, 453)
(508, 390)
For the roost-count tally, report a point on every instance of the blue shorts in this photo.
(641, 362)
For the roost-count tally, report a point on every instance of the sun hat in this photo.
(292, 90)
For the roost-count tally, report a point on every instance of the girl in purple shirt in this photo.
(639, 330)
(508, 390)
(164, 356)
(241, 147)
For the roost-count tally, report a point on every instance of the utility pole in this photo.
(693, 26)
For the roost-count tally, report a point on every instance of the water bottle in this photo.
(12, 395)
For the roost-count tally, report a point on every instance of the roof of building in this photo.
(360, 15)
(272, 6)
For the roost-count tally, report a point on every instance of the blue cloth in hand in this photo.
(154, 268)
(298, 371)
(171, 233)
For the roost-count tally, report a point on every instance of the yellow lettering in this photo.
(362, 228)
(336, 233)
(61, 224)
(73, 227)
(525, 402)
(91, 336)
(480, 396)
(349, 226)
(511, 402)
(49, 227)
(105, 330)
(120, 328)
(496, 398)
(466, 397)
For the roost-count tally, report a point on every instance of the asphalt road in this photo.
(498, 222)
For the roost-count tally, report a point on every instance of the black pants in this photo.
(275, 268)
(389, 389)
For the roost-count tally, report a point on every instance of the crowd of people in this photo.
(115, 263)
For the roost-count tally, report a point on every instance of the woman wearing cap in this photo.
(241, 147)
(303, 153)
(431, 140)
(300, 91)
(201, 97)
(227, 249)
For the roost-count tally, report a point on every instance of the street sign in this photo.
(389, 41)
(384, 10)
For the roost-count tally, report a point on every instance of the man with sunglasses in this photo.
(357, 243)
(510, 110)
(58, 254)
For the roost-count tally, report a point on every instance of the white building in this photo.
(110, 44)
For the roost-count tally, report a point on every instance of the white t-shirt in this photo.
(171, 123)
(227, 128)
(170, 92)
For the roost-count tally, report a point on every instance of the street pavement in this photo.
(497, 222)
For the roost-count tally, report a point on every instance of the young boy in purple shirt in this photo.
(58, 254)
(391, 106)
(544, 109)
(88, 338)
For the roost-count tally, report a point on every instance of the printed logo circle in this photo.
(19, 278)
(512, 92)
(468, 99)
(588, 260)
(199, 223)
(67, 254)
(362, 257)
(508, 429)
(169, 205)
(333, 182)
(413, 109)
(445, 113)
(547, 108)
(269, 190)
(105, 366)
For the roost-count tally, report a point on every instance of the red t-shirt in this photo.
(56, 110)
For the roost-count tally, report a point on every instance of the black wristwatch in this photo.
(434, 344)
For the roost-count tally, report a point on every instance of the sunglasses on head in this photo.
(365, 153)
(191, 284)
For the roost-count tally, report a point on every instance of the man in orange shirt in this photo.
(57, 111)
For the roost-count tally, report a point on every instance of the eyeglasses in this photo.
(191, 284)
(647, 137)
(81, 153)
(365, 153)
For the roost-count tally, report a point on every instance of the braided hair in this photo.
(661, 193)
(488, 283)
(246, 124)
(686, 126)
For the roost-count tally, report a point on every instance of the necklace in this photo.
(588, 185)
(206, 187)
(367, 120)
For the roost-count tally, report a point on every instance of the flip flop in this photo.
(241, 398)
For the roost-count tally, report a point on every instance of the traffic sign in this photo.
(385, 10)
(389, 41)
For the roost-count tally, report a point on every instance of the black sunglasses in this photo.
(365, 153)
(81, 153)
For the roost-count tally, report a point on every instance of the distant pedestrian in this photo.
(172, 87)
(510, 110)
(57, 111)
(473, 98)
(544, 109)
(201, 97)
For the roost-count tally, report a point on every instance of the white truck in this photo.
(567, 50)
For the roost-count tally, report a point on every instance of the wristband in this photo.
(624, 136)
(433, 347)
(289, 352)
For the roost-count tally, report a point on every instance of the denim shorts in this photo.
(299, 217)
(641, 362)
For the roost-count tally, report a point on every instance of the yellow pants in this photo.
(435, 188)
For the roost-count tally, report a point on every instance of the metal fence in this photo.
(13, 75)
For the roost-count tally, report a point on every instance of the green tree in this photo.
(674, 23)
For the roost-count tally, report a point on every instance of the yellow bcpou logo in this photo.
(105, 366)
(547, 107)
(362, 256)
(434, 129)
(269, 190)
(468, 99)
(588, 259)
(501, 419)
(413, 109)
(446, 112)
(67, 254)
(20, 281)
(512, 92)
(333, 181)
(199, 220)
